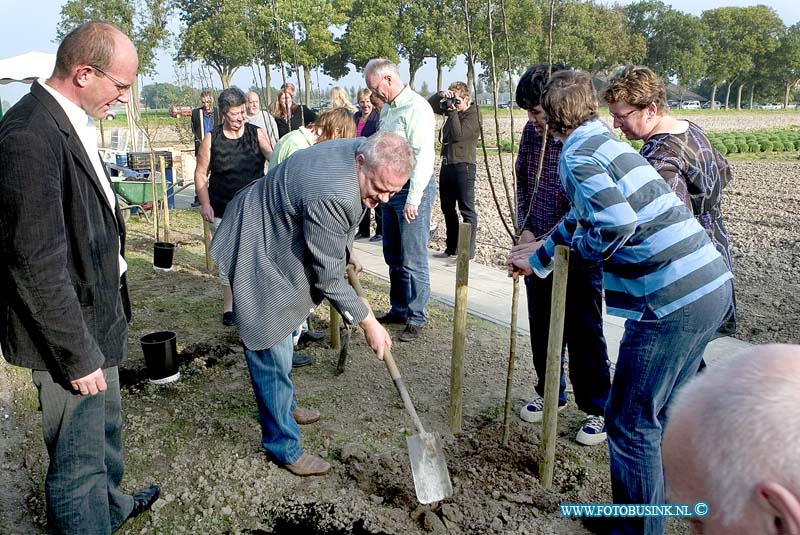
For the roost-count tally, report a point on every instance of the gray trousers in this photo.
(83, 435)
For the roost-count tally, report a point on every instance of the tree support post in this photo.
(459, 327)
(555, 343)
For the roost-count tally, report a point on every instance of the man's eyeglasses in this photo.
(624, 115)
(119, 85)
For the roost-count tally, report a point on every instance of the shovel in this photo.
(425, 451)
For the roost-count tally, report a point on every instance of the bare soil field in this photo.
(199, 437)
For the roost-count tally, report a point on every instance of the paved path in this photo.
(489, 297)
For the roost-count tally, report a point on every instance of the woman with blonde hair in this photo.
(339, 99)
(332, 124)
(288, 115)
(367, 118)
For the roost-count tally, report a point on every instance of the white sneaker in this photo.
(592, 431)
(533, 411)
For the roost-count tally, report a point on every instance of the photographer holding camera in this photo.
(459, 138)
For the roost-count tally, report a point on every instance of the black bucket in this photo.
(162, 256)
(161, 357)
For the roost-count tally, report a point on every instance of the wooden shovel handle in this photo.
(388, 359)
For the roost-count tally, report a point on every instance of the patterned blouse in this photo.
(697, 173)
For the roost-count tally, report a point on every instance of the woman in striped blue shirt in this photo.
(661, 272)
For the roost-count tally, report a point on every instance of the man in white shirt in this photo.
(64, 305)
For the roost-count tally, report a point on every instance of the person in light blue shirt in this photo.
(407, 215)
(661, 272)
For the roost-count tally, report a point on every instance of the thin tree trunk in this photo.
(713, 95)
(307, 81)
(739, 96)
(470, 73)
(752, 90)
(268, 85)
(728, 96)
(439, 72)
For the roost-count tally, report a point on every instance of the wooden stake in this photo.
(555, 342)
(154, 209)
(512, 357)
(207, 243)
(336, 341)
(164, 197)
(459, 327)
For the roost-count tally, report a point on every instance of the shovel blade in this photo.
(428, 466)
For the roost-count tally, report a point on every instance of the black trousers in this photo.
(363, 226)
(457, 185)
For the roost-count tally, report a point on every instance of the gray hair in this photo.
(387, 149)
(381, 67)
(744, 412)
(230, 98)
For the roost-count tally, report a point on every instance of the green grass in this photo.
(153, 117)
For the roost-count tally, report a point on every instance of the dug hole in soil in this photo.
(200, 439)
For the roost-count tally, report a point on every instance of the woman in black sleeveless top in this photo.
(234, 153)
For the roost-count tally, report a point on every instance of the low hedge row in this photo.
(746, 142)
(750, 142)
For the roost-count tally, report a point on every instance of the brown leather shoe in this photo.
(309, 465)
(305, 416)
(410, 333)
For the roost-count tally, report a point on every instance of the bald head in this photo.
(733, 441)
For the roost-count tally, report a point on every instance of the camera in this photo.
(450, 103)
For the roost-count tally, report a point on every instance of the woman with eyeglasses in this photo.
(678, 149)
(231, 156)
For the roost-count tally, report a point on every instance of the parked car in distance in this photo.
(672, 103)
(708, 105)
(771, 106)
(690, 105)
(510, 105)
(180, 111)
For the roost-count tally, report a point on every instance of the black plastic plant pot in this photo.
(162, 256)
(161, 357)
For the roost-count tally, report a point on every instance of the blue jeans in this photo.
(656, 358)
(405, 250)
(83, 435)
(270, 374)
(583, 334)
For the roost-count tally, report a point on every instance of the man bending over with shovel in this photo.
(284, 244)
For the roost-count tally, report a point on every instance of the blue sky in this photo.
(27, 25)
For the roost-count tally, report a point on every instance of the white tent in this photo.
(26, 67)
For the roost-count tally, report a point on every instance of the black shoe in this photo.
(144, 500)
(195, 202)
(443, 254)
(298, 360)
(228, 319)
(376, 237)
(392, 317)
(410, 333)
(360, 236)
(310, 336)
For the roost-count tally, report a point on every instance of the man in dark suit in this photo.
(204, 120)
(284, 244)
(64, 303)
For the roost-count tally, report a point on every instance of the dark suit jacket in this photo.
(197, 126)
(63, 307)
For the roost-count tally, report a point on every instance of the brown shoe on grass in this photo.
(305, 416)
(309, 465)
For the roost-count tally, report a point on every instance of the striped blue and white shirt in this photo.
(656, 255)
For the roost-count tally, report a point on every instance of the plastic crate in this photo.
(141, 160)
